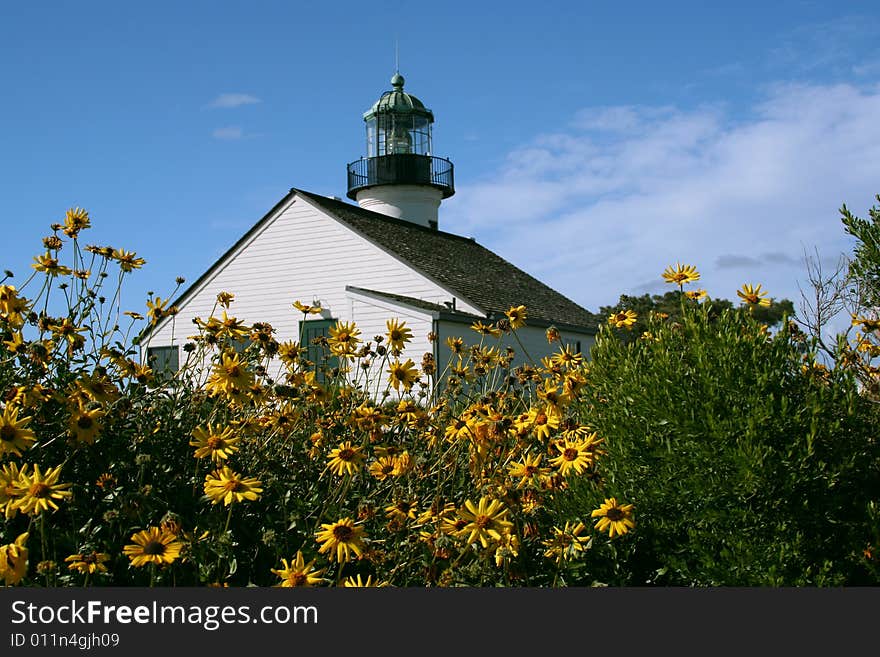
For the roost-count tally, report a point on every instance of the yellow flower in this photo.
(398, 334)
(298, 572)
(153, 545)
(484, 522)
(402, 374)
(517, 316)
(127, 260)
(224, 485)
(567, 357)
(401, 510)
(89, 563)
(14, 434)
(308, 310)
(681, 274)
(49, 265)
(552, 335)
(345, 459)
(567, 543)
(623, 319)
(543, 421)
(40, 490)
(344, 339)
(12, 306)
(383, 468)
(75, 220)
(156, 309)
(229, 376)
(340, 539)
(575, 455)
(614, 518)
(753, 295)
(528, 470)
(355, 581)
(14, 560)
(695, 295)
(84, 424)
(225, 298)
(486, 329)
(10, 488)
(216, 441)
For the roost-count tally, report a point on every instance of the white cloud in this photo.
(602, 209)
(228, 133)
(233, 100)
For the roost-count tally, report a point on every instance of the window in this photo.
(310, 330)
(164, 360)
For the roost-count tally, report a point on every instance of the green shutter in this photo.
(164, 360)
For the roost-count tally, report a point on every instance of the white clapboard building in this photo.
(384, 258)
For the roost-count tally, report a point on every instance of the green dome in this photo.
(397, 101)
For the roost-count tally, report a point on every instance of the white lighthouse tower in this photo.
(400, 177)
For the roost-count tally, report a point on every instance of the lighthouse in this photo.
(400, 176)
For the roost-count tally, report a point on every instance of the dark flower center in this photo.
(346, 454)
(154, 548)
(40, 490)
(614, 514)
(298, 579)
(84, 422)
(8, 432)
(342, 533)
(570, 454)
(482, 521)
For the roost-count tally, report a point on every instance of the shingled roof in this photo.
(461, 265)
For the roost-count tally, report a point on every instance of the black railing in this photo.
(401, 169)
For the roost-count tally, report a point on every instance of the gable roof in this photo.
(457, 263)
(460, 264)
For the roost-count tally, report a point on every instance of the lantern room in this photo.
(400, 176)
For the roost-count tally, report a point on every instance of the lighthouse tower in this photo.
(400, 177)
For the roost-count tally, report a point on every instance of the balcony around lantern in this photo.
(400, 169)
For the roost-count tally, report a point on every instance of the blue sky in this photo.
(594, 142)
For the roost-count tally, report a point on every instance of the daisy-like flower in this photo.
(298, 572)
(14, 560)
(127, 260)
(40, 490)
(383, 467)
(85, 424)
(695, 295)
(517, 315)
(528, 470)
(567, 357)
(48, 264)
(575, 456)
(356, 581)
(484, 522)
(75, 220)
(214, 441)
(623, 319)
(398, 334)
(401, 510)
(307, 310)
(229, 376)
(156, 309)
(12, 306)
(567, 543)
(753, 295)
(402, 374)
(681, 274)
(10, 488)
(14, 434)
(486, 329)
(543, 421)
(345, 459)
(224, 485)
(225, 298)
(344, 339)
(552, 334)
(88, 563)
(340, 539)
(153, 545)
(614, 518)
(456, 345)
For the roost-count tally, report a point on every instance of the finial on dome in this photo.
(397, 81)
